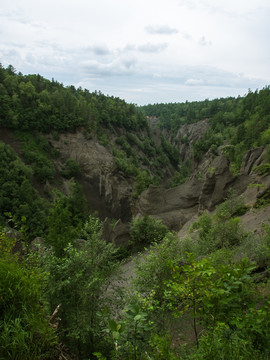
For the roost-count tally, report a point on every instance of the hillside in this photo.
(86, 180)
(112, 151)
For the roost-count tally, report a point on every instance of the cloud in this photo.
(17, 16)
(152, 48)
(100, 50)
(116, 67)
(203, 42)
(194, 82)
(160, 30)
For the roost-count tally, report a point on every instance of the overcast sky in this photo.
(144, 51)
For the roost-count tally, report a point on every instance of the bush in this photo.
(71, 169)
(262, 170)
(24, 330)
(79, 280)
(233, 206)
(124, 164)
(222, 230)
(147, 230)
(155, 268)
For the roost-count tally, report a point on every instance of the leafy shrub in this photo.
(154, 269)
(233, 206)
(17, 195)
(263, 200)
(147, 230)
(36, 151)
(61, 225)
(143, 180)
(124, 164)
(71, 169)
(215, 232)
(180, 176)
(24, 330)
(211, 293)
(263, 169)
(79, 280)
(131, 335)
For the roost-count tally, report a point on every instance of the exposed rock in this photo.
(172, 206)
(252, 158)
(118, 234)
(187, 135)
(176, 206)
(216, 184)
(106, 189)
(265, 189)
(38, 245)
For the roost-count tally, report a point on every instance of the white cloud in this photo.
(152, 48)
(144, 51)
(194, 82)
(203, 42)
(160, 30)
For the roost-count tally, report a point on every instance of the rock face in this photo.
(217, 181)
(187, 135)
(175, 206)
(106, 189)
(110, 192)
(178, 205)
(252, 158)
(172, 206)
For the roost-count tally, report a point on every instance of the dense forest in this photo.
(240, 123)
(63, 291)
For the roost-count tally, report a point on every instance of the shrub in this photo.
(155, 268)
(233, 206)
(221, 230)
(71, 169)
(263, 169)
(24, 330)
(79, 280)
(147, 230)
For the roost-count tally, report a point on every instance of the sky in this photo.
(143, 51)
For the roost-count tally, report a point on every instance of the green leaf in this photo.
(112, 325)
(137, 317)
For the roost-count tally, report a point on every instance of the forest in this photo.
(63, 290)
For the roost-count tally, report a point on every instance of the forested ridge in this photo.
(241, 122)
(204, 295)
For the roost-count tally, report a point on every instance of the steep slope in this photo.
(171, 164)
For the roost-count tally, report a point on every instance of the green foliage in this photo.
(130, 336)
(263, 200)
(208, 289)
(240, 123)
(162, 348)
(61, 225)
(17, 195)
(213, 294)
(31, 102)
(221, 230)
(124, 164)
(263, 169)
(79, 280)
(143, 180)
(36, 151)
(24, 330)
(155, 268)
(181, 175)
(170, 150)
(147, 230)
(71, 169)
(247, 338)
(233, 206)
